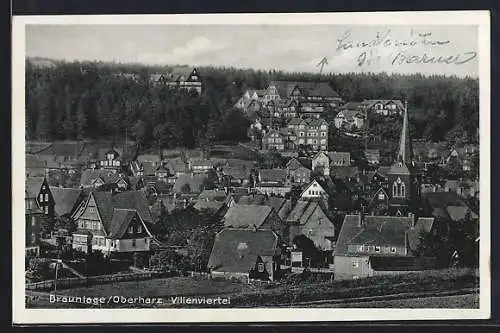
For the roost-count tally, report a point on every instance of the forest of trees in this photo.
(87, 100)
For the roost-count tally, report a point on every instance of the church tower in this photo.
(404, 186)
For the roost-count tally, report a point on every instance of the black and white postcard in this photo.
(251, 167)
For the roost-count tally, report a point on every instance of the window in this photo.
(40, 198)
(355, 264)
(381, 196)
(377, 249)
(130, 229)
(133, 242)
(393, 250)
(46, 209)
(33, 237)
(33, 221)
(139, 229)
(260, 267)
(361, 248)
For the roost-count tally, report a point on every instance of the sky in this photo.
(280, 47)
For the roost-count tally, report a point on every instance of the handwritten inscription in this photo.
(383, 39)
(401, 51)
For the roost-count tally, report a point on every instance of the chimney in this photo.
(361, 220)
(413, 218)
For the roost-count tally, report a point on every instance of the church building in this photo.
(403, 176)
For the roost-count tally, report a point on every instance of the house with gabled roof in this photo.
(321, 163)
(447, 207)
(38, 187)
(111, 160)
(180, 77)
(113, 223)
(349, 119)
(309, 218)
(34, 216)
(280, 205)
(298, 173)
(246, 254)
(261, 217)
(362, 239)
(273, 140)
(273, 182)
(378, 203)
(340, 158)
(96, 178)
(384, 107)
(66, 200)
(313, 191)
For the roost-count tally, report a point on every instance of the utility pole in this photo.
(58, 261)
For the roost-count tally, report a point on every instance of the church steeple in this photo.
(405, 153)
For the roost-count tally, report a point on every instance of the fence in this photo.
(91, 280)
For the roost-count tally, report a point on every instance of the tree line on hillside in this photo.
(80, 100)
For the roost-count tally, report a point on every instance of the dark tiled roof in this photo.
(444, 199)
(339, 155)
(341, 172)
(458, 213)
(89, 176)
(273, 175)
(302, 211)
(120, 221)
(212, 195)
(237, 250)
(380, 230)
(33, 185)
(66, 199)
(294, 164)
(133, 200)
(176, 165)
(208, 204)
(245, 216)
(32, 161)
(252, 199)
(237, 172)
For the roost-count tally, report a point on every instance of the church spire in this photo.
(405, 150)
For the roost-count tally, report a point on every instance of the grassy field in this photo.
(293, 291)
(470, 301)
(174, 286)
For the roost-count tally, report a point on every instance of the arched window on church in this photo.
(398, 189)
(395, 189)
